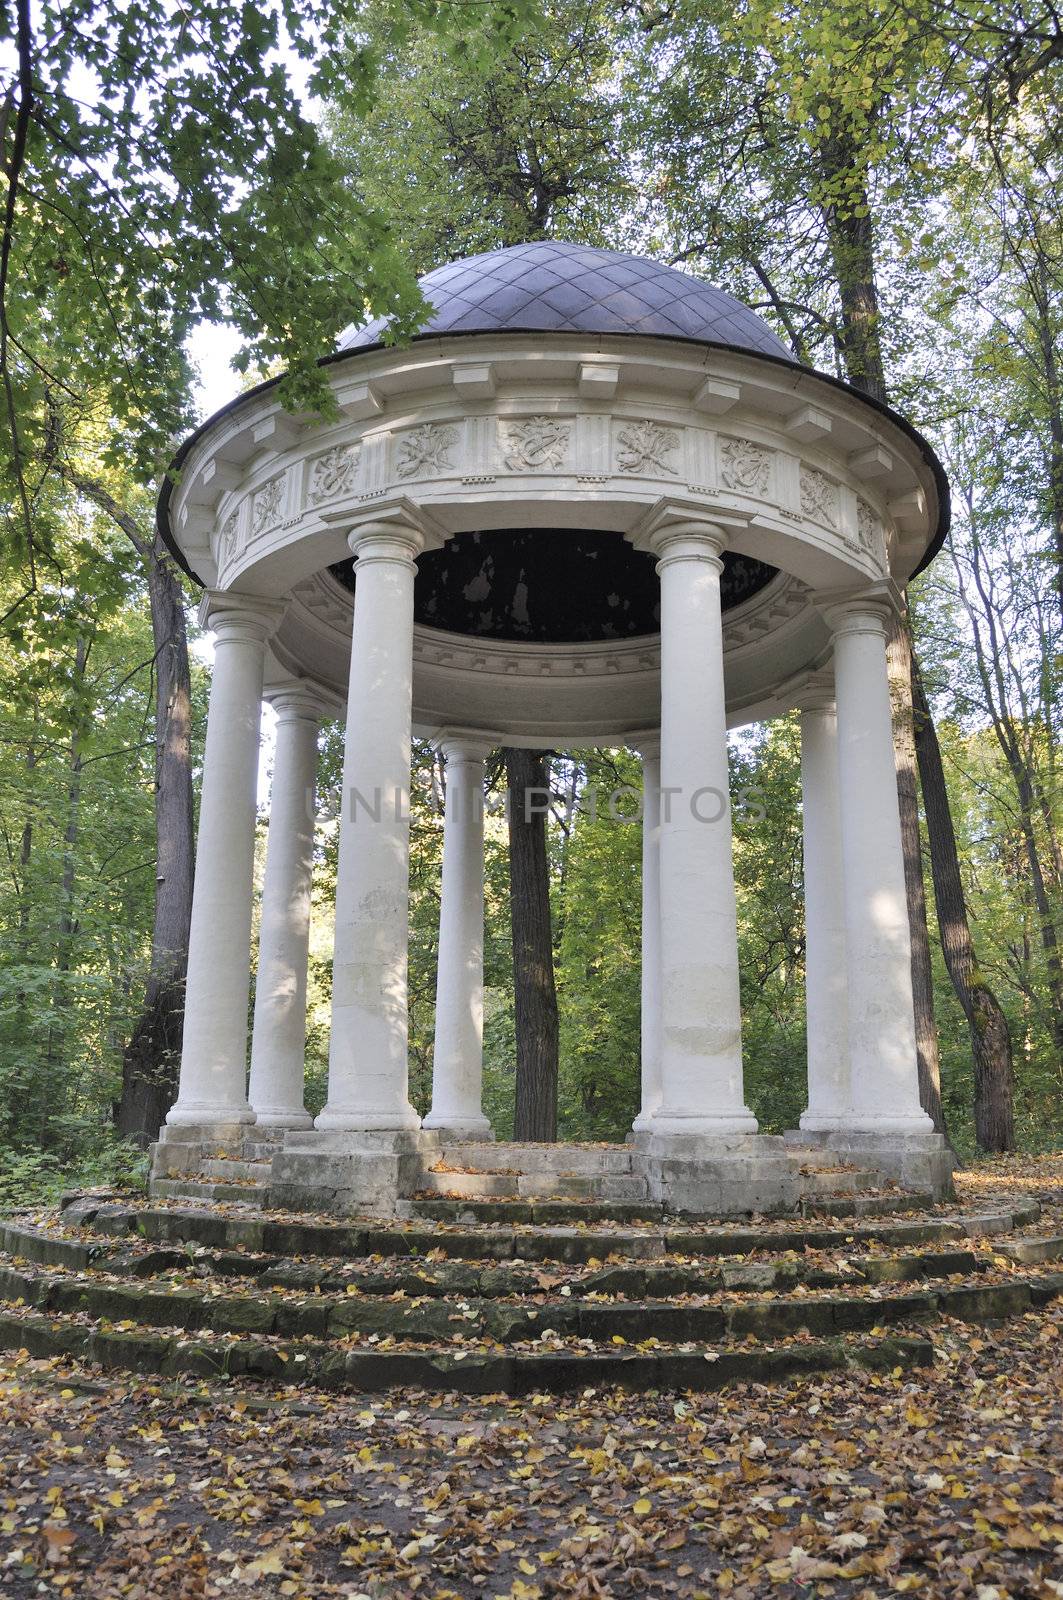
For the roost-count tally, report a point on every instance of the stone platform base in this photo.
(914, 1160)
(418, 1172)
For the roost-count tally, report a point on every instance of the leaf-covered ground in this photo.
(949, 1484)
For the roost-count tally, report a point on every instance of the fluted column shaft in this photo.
(278, 1038)
(213, 1087)
(368, 1070)
(457, 1062)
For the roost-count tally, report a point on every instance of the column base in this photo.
(822, 1122)
(280, 1117)
(722, 1125)
(885, 1124)
(453, 1127)
(350, 1119)
(201, 1114)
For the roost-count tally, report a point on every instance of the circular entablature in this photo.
(550, 586)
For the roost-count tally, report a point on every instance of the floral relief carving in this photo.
(535, 443)
(745, 466)
(819, 497)
(426, 449)
(266, 504)
(332, 474)
(646, 447)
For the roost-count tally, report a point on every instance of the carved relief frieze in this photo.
(266, 505)
(745, 466)
(868, 529)
(646, 447)
(332, 474)
(534, 444)
(229, 546)
(427, 449)
(819, 497)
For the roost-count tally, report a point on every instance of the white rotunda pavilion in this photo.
(595, 501)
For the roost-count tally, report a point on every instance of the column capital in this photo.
(692, 539)
(230, 615)
(866, 610)
(384, 540)
(459, 748)
(301, 700)
(648, 748)
(814, 693)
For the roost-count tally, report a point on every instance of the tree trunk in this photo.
(994, 1120)
(850, 231)
(534, 993)
(1053, 384)
(150, 1063)
(901, 664)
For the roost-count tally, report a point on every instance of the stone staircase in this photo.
(512, 1306)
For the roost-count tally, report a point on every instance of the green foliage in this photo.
(598, 916)
(160, 170)
(795, 154)
(469, 154)
(91, 1158)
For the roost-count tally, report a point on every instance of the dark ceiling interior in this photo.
(550, 586)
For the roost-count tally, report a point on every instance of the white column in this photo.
(368, 1069)
(278, 1038)
(701, 1021)
(826, 987)
(457, 1062)
(213, 1083)
(651, 936)
(884, 1082)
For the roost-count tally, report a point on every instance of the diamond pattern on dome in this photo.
(551, 287)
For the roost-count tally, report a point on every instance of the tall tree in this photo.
(152, 1054)
(816, 102)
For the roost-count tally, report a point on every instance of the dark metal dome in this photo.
(552, 287)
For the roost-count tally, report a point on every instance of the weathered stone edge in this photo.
(512, 1374)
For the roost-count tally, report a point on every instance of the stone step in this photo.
(296, 1236)
(608, 1188)
(354, 1317)
(260, 1148)
(196, 1189)
(893, 1204)
(836, 1180)
(470, 1185)
(1030, 1251)
(560, 1159)
(604, 1188)
(549, 1212)
(813, 1155)
(703, 1369)
(227, 1168)
(431, 1277)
